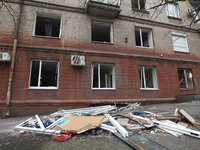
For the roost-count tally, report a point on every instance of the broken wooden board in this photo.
(187, 116)
(80, 123)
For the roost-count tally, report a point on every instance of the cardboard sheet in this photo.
(80, 123)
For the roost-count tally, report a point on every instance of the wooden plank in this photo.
(187, 116)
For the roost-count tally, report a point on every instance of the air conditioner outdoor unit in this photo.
(4, 56)
(77, 60)
(191, 11)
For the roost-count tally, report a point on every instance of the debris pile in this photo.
(123, 123)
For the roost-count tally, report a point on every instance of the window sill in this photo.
(43, 88)
(175, 18)
(141, 10)
(102, 42)
(49, 37)
(149, 89)
(183, 89)
(103, 89)
(145, 47)
(181, 52)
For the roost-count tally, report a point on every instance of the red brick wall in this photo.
(75, 82)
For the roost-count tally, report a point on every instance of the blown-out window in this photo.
(47, 25)
(185, 78)
(148, 78)
(143, 37)
(101, 32)
(44, 74)
(138, 4)
(103, 76)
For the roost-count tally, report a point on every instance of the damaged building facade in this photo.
(72, 53)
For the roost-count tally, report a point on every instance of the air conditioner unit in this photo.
(77, 60)
(4, 56)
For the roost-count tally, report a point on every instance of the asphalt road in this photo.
(100, 140)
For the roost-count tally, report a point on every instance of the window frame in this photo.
(138, 7)
(39, 75)
(174, 6)
(154, 78)
(99, 86)
(150, 37)
(47, 16)
(111, 32)
(186, 80)
(180, 36)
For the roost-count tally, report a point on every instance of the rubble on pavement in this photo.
(123, 123)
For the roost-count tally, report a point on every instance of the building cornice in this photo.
(88, 51)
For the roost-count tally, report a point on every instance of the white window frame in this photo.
(47, 15)
(178, 38)
(186, 79)
(106, 24)
(39, 76)
(154, 75)
(150, 37)
(172, 10)
(113, 77)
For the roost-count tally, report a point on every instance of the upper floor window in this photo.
(138, 4)
(143, 37)
(47, 25)
(172, 10)
(101, 32)
(148, 78)
(180, 42)
(185, 78)
(44, 74)
(103, 76)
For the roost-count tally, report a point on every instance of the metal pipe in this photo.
(13, 60)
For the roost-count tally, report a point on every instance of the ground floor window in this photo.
(103, 76)
(148, 78)
(44, 74)
(185, 78)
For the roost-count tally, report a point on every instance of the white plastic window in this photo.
(103, 76)
(179, 43)
(44, 74)
(172, 10)
(148, 78)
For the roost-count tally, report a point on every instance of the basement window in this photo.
(47, 25)
(148, 78)
(143, 37)
(185, 78)
(101, 32)
(44, 74)
(103, 76)
(138, 4)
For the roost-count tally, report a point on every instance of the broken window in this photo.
(185, 78)
(103, 75)
(44, 73)
(148, 78)
(179, 42)
(138, 4)
(172, 10)
(143, 37)
(101, 32)
(47, 25)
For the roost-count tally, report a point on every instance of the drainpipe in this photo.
(13, 61)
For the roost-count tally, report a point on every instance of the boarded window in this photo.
(148, 78)
(103, 75)
(44, 73)
(47, 25)
(101, 32)
(185, 78)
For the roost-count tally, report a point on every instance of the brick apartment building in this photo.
(71, 53)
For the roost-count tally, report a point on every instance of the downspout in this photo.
(13, 61)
